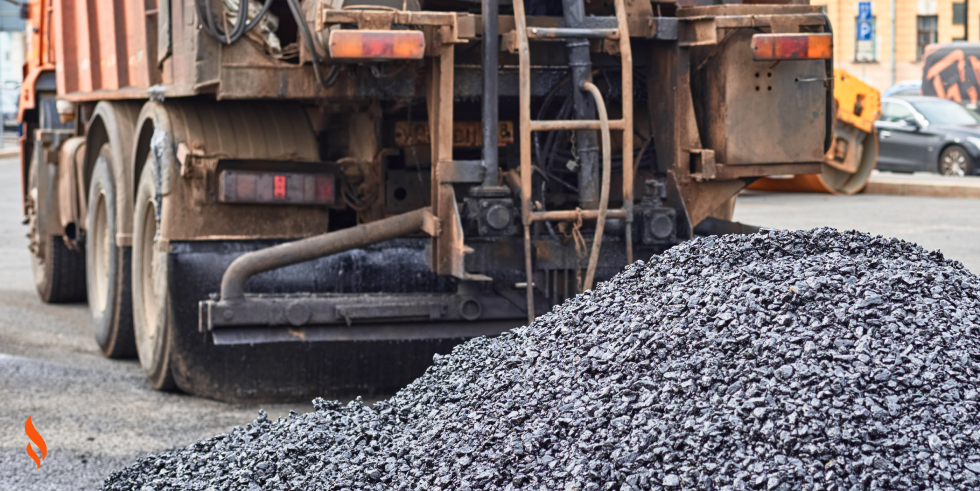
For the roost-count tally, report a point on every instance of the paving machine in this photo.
(281, 198)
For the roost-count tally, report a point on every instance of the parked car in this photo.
(920, 133)
(903, 89)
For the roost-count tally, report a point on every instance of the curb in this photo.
(8, 152)
(923, 185)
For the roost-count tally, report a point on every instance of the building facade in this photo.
(916, 24)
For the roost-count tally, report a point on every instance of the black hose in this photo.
(242, 25)
(334, 72)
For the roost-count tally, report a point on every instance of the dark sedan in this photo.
(927, 134)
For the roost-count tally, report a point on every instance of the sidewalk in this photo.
(923, 184)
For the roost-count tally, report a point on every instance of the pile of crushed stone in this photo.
(815, 360)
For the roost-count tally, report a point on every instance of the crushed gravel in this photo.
(815, 360)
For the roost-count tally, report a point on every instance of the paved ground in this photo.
(96, 415)
(951, 225)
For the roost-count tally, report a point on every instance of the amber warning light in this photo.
(817, 46)
(288, 188)
(376, 45)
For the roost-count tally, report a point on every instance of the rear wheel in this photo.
(107, 265)
(152, 319)
(59, 271)
(955, 161)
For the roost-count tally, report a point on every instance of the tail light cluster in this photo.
(353, 44)
(815, 46)
(290, 188)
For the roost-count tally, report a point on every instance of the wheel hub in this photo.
(100, 236)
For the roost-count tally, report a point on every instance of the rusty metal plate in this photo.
(406, 190)
(465, 133)
(775, 111)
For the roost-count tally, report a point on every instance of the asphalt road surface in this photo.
(951, 225)
(98, 415)
(95, 415)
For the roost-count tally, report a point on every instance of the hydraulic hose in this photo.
(242, 25)
(334, 72)
(600, 223)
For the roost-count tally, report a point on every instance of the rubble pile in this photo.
(815, 360)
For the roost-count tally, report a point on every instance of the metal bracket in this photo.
(663, 28)
(462, 171)
(703, 164)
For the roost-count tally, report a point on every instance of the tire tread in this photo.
(66, 273)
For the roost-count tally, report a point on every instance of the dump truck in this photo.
(266, 200)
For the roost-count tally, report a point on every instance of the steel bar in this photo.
(400, 332)
(524, 57)
(571, 33)
(626, 58)
(573, 215)
(586, 124)
(253, 263)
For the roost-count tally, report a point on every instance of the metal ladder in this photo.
(625, 124)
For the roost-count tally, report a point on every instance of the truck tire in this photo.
(152, 319)
(107, 265)
(59, 272)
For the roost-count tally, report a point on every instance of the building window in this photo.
(959, 19)
(928, 33)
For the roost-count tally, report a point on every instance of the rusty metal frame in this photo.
(448, 248)
(527, 126)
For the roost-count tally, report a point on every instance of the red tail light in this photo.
(290, 188)
(818, 46)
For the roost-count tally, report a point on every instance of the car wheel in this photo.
(955, 161)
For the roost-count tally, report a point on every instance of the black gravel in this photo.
(814, 360)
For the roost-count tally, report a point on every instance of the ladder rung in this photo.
(571, 215)
(575, 124)
(571, 32)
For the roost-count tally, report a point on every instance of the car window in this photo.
(894, 112)
(941, 111)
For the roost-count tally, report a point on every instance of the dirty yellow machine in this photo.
(854, 152)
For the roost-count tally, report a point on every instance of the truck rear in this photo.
(284, 198)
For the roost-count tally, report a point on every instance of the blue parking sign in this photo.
(864, 11)
(864, 30)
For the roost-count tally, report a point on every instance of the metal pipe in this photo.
(571, 32)
(600, 223)
(573, 215)
(580, 65)
(282, 255)
(490, 94)
(589, 124)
